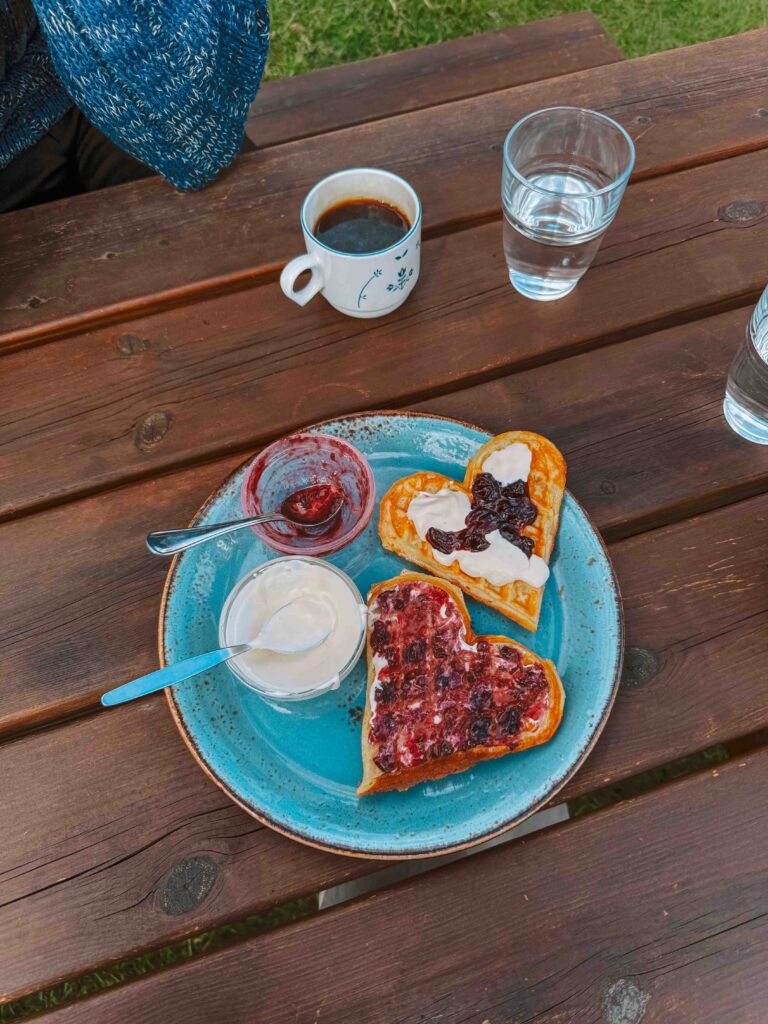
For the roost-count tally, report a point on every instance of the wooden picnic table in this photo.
(145, 348)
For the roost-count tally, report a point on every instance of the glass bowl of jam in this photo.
(308, 476)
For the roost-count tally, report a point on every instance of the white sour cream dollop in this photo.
(501, 562)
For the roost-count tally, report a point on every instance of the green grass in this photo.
(645, 781)
(176, 953)
(309, 34)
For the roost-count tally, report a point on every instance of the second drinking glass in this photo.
(565, 171)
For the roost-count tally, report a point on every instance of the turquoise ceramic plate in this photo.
(296, 767)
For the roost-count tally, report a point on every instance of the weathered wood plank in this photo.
(87, 865)
(640, 424)
(333, 98)
(232, 372)
(100, 257)
(652, 910)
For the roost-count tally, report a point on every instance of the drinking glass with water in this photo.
(565, 171)
(746, 393)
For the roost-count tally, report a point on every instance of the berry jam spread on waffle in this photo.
(507, 509)
(435, 695)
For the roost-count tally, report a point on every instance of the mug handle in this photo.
(291, 272)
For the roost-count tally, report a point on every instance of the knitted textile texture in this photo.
(31, 97)
(169, 81)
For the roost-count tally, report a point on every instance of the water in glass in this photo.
(746, 393)
(549, 240)
(565, 171)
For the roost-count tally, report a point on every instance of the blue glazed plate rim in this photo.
(403, 854)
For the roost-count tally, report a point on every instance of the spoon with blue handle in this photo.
(295, 628)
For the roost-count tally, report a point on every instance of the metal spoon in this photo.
(169, 542)
(267, 640)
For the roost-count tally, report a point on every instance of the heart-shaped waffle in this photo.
(519, 600)
(440, 699)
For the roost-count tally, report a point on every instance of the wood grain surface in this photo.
(154, 349)
(640, 913)
(95, 257)
(366, 90)
(235, 371)
(640, 424)
(101, 812)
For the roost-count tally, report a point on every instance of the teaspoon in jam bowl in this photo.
(299, 510)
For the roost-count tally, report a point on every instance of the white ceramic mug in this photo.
(366, 284)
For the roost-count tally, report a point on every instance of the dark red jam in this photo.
(436, 695)
(312, 505)
(507, 509)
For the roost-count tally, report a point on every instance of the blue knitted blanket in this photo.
(169, 81)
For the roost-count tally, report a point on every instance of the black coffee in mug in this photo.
(361, 225)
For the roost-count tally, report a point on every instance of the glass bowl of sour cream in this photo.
(273, 585)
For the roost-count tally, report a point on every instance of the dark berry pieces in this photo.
(524, 543)
(485, 489)
(517, 489)
(392, 657)
(510, 655)
(473, 540)
(507, 509)
(482, 519)
(518, 511)
(446, 677)
(380, 636)
(400, 602)
(480, 699)
(478, 731)
(415, 651)
(385, 759)
(385, 692)
(526, 512)
(509, 722)
(534, 679)
(443, 540)
(435, 697)
(383, 726)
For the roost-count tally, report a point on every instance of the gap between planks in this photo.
(277, 367)
(423, 395)
(140, 826)
(266, 274)
(626, 810)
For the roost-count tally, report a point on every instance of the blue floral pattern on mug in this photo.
(362, 296)
(404, 275)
